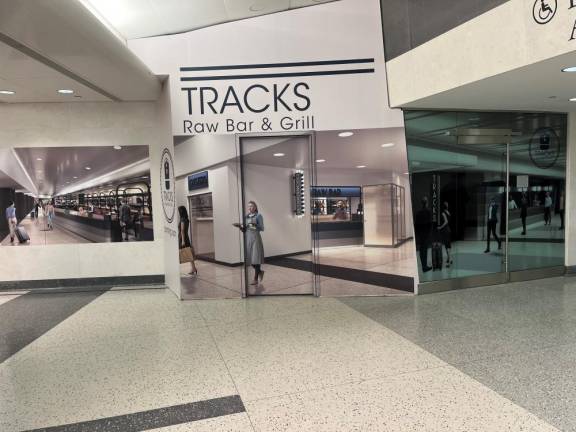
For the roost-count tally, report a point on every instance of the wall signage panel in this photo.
(198, 181)
(336, 191)
(266, 75)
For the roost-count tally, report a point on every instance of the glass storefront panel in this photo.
(465, 203)
(537, 192)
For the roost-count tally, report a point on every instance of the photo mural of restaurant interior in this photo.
(334, 211)
(85, 195)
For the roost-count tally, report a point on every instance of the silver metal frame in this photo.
(311, 136)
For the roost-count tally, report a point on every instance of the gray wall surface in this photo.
(410, 23)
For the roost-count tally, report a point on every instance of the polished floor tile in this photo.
(295, 353)
(440, 399)
(78, 383)
(490, 359)
(231, 423)
(120, 314)
(541, 381)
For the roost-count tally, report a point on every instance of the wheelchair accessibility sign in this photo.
(544, 10)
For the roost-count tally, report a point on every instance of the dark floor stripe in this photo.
(385, 280)
(26, 318)
(162, 417)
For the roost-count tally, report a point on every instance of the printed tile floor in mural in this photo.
(488, 359)
(220, 281)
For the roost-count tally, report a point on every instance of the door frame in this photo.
(311, 137)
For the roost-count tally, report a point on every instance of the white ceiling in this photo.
(59, 44)
(145, 18)
(537, 87)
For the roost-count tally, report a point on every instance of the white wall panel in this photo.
(90, 124)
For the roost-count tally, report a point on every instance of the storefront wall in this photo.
(270, 75)
(80, 125)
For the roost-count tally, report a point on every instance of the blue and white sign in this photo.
(198, 181)
(336, 191)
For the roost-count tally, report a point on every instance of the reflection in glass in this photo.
(466, 206)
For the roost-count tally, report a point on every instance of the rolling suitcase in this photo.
(437, 257)
(22, 235)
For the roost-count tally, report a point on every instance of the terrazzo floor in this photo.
(487, 359)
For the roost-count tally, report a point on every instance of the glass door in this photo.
(276, 174)
(488, 191)
(537, 195)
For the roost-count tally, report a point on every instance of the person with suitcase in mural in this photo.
(12, 221)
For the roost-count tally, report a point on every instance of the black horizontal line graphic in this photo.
(277, 65)
(277, 75)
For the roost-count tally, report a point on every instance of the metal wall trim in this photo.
(534, 274)
(462, 283)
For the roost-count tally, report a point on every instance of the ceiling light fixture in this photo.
(7, 92)
(38, 159)
(360, 166)
(387, 145)
(279, 154)
(569, 69)
(117, 147)
(572, 99)
(65, 91)
(87, 168)
(74, 178)
(320, 160)
(345, 134)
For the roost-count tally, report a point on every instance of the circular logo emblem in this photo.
(167, 186)
(544, 148)
(544, 11)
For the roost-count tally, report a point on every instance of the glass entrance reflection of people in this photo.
(492, 222)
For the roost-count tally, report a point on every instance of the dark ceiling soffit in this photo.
(55, 66)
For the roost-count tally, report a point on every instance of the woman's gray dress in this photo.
(254, 246)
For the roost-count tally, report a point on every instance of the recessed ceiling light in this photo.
(74, 177)
(7, 92)
(569, 69)
(388, 145)
(279, 154)
(360, 166)
(117, 147)
(406, 173)
(65, 91)
(573, 99)
(38, 159)
(320, 160)
(87, 168)
(345, 134)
